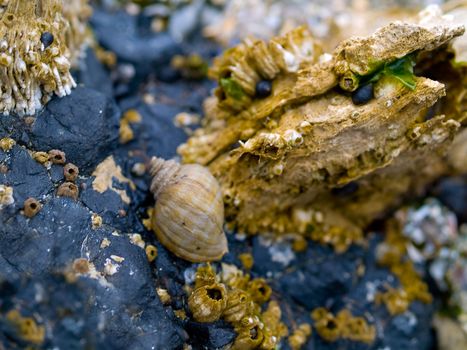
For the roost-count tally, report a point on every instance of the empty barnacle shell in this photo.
(189, 211)
(207, 303)
(31, 207)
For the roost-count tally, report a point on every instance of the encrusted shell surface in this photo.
(208, 302)
(189, 213)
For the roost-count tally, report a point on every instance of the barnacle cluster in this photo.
(323, 143)
(238, 299)
(342, 326)
(39, 40)
(392, 253)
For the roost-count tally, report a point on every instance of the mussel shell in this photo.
(189, 216)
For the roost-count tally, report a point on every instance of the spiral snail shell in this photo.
(189, 211)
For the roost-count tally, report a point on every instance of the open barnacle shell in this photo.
(324, 142)
(189, 212)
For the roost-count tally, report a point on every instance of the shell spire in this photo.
(163, 173)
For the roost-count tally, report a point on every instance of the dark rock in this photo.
(15, 127)
(118, 32)
(453, 193)
(158, 118)
(321, 277)
(84, 125)
(211, 335)
(124, 303)
(93, 75)
(27, 177)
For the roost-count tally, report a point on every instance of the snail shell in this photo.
(189, 212)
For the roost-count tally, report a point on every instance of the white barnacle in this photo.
(6, 196)
(278, 169)
(293, 137)
(304, 126)
(20, 65)
(3, 45)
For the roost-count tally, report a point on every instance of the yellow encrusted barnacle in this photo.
(326, 325)
(300, 336)
(250, 334)
(239, 305)
(273, 329)
(207, 303)
(344, 325)
(26, 327)
(39, 40)
(205, 275)
(259, 290)
(355, 328)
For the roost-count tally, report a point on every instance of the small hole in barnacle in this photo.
(214, 293)
(254, 332)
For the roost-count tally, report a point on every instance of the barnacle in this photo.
(205, 275)
(259, 290)
(31, 207)
(57, 157)
(326, 325)
(207, 303)
(38, 42)
(392, 253)
(309, 148)
(190, 67)
(68, 189)
(247, 260)
(26, 327)
(242, 298)
(274, 329)
(299, 336)
(71, 172)
(151, 252)
(6, 144)
(239, 305)
(6, 196)
(130, 117)
(250, 335)
(343, 325)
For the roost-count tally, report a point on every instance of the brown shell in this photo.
(189, 213)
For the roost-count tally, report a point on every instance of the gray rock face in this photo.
(84, 125)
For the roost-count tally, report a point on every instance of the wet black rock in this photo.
(84, 125)
(118, 32)
(122, 293)
(453, 193)
(211, 335)
(93, 74)
(320, 277)
(158, 118)
(27, 177)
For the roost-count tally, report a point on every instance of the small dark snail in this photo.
(189, 213)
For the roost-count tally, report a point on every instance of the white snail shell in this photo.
(189, 212)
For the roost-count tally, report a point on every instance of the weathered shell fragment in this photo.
(308, 148)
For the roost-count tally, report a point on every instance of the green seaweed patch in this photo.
(232, 88)
(400, 69)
